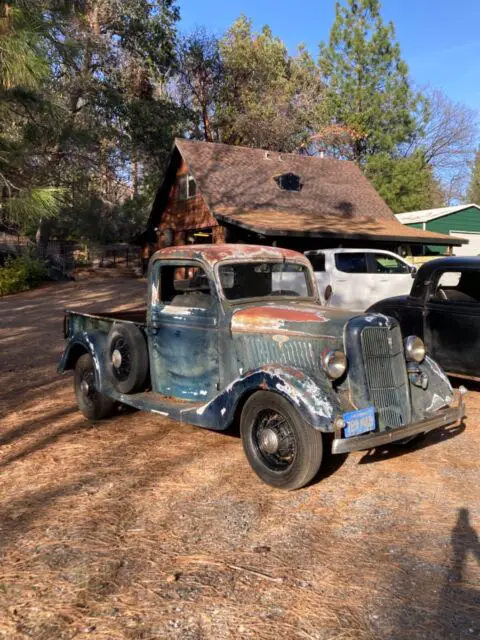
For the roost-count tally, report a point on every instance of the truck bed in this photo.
(138, 316)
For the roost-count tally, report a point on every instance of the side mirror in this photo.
(413, 271)
(327, 294)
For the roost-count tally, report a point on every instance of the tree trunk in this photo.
(134, 171)
(42, 236)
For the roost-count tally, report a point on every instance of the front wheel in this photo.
(93, 404)
(282, 449)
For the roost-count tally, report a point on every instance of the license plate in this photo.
(358, 422)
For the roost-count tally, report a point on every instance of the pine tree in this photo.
(369, 96)
(268, 98)
(27, 194)
(405, 183)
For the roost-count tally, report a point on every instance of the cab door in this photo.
(452, 324)
(183, 331)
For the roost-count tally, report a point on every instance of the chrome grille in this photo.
(386, 374)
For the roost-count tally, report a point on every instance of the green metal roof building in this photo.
(460, 221)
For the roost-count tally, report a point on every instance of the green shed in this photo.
(460, 221)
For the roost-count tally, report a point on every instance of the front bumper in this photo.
(442, 418)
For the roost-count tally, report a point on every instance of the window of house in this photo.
(199, 236)
(289, 182)
(351, 262)
(187, 187)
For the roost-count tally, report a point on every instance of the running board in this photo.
(173, 408)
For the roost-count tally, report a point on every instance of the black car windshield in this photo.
(263, 279)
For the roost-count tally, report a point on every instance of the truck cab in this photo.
(236, 333)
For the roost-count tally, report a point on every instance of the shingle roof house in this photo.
(219, 192)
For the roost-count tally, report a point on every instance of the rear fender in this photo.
(77, 346)
(314, 399)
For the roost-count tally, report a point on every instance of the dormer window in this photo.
(187, 187)
(289, 182)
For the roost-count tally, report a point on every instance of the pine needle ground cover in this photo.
(141, 528)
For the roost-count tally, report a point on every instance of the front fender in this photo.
(437, 395)
(315, 400)
(78, 345)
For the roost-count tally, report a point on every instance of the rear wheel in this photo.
(283, 450)
(93, 404)
(127, 358)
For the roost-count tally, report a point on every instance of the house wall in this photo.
(183, 217)
(467, 220)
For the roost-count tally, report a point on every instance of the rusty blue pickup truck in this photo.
(236, 334)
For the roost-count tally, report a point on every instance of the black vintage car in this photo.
(443, 308)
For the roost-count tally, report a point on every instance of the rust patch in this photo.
(275, 319)
(216, 252)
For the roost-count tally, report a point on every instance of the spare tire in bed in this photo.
(127, 358)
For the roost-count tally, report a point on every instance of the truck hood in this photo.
(292, 319)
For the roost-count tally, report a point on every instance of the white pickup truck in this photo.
(357, 278)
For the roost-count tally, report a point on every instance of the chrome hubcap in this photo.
(268, 441)
(85, 387)
(116, 358)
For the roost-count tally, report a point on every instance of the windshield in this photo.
(262, 279)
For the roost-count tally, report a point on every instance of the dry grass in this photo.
(141, 528)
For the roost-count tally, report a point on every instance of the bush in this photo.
(20, 274)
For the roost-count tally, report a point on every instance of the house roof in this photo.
(336, 200)
(427, 215)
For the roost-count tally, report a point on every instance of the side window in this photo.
(317, 261)
(187, 187)
(457, 286)
(351, 262)
(186, 286)
(383, 263)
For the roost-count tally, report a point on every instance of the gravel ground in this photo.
(138, 527)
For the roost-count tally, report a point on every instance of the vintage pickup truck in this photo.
(231, 332)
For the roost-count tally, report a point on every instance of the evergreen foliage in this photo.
(369, 93)
(93, 92)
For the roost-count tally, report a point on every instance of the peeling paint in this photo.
(216, 252)
(279, 319)
(436, 368)
(437, 403)
(173, 310)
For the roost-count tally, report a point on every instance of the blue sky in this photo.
(440, 39)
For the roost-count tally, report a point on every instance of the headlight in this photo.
(335, 364)
(414, 349)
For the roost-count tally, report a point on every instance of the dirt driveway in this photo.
(138, 527)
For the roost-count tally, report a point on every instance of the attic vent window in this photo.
(289, 182)
(187, 187)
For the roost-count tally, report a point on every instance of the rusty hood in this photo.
(289, 319)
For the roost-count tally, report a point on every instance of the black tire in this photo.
(299, 447)
(93, 404)
(126, 358)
